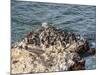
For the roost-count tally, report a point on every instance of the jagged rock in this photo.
(48, 50)
(80, 65)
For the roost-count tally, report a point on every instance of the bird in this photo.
(45, 24)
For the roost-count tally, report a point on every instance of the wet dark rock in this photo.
(92, 51)
(86, 45)
(80, 65)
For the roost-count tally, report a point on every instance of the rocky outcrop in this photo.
(48, 50)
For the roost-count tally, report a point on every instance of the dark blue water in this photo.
(80, 19)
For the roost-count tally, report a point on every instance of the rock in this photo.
(86, 45)
(80, 65)
(48, 50)
(82, 47)
(92, 51)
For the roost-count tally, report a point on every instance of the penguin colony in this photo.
(49, 50)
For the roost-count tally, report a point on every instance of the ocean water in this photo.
(80, 19)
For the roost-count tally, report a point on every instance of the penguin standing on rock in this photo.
(74, 37)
